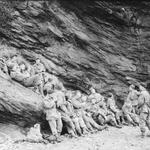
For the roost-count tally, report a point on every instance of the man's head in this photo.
(22, 66)
(110, 95)
(37, 60)
(92, 90)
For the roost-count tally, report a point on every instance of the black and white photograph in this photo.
(74, 74)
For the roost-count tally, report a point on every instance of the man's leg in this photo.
(118, 115)
(69, 124)
(77, 125)
(86, 120)
(135, 118)
(59, 125)
(95, 125)
(112, 120)
(142, 124)
(129, 119)
(82, 125)
(148, 121)
(52, 124)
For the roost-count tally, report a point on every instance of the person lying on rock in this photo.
(129, 114)
(52, 115)
(144, 110)
(111, 105)
(22, 74)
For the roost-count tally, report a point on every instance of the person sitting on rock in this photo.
(66, 115)
(102, 115)
(76, 113)
(95, 96)
(129, 114)
(111, 105)
(39, 67)
(52, 115)
(80, 107)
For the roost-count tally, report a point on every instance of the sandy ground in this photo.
(127, 138)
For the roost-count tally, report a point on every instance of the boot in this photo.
(143, 135)
(103, 127)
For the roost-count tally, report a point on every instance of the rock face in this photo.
(83, 42)
(18, 104)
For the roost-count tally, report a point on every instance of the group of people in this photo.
(73, 111)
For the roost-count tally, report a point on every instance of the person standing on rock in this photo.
(144, 109)
(133, 97)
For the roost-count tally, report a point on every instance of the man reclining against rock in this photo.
(111, 105)
(52, 115)
(23, 75)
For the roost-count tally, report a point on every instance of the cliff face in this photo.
(85, 42)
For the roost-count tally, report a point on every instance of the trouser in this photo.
(135, 118)
(129, 118)
(118, 116)
(55, 126)
(144, 121)
(77, 125)
(69, 123)
(87, 122)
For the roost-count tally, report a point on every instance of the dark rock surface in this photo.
(83, 42)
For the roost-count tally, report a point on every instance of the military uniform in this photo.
(111, 105)
(128, 113)
(39, 68)
(133, 97)
(144, 109)
(52, 115)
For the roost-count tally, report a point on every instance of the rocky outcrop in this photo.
(18, 104)
(84, 42)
